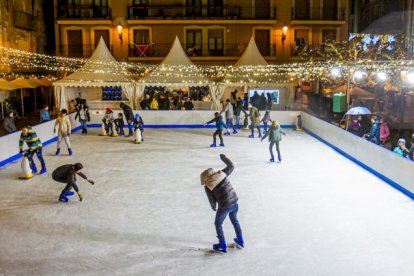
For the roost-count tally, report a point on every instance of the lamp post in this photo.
(120, 31)
(284, 33)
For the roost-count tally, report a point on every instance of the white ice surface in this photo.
(316, 213)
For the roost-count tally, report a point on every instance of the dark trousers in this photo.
(67, 188)
(277, 149)
(84, 126)
(258, 129)
(130, 132)
(38, 152)
(221, 216)
(265, 127)
(217, 132)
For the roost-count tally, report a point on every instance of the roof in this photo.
(251, 56)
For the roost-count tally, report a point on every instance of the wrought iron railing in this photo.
(78, 50)
(84, 12)
(202, 12)
(303, 13)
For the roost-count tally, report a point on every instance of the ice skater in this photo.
(67, 174)
(266, 119)
(220, 191)
(64, 128)
(82, 112)
(275, 136)
(119, 123)
(254, 115)
(220, 125)
(129, 116)
(34, 146)
(138, 129)
(228, 110)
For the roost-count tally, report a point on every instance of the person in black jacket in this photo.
(67, 174)
(220, 191)
(82, 112)
(411, 154)
(237, 111)
(129, 116)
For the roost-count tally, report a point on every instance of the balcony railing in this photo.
(25, 21)
(229, 49)
(301, 13)
(78, 50)
(185, 12)
(84, 12)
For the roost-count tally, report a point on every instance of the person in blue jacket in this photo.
(34, 145)
(374, 134)
(220, 125)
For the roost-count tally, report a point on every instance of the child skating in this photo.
(275, 136)
(228, 110)
(67, 174)
(119, 122)
(220, 192)
(138, 129)
(64, 128)
(220, 125)
(266, 119)
(254, 115)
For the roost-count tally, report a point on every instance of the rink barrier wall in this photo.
(393, 169)
(9, 144)
(152, 119)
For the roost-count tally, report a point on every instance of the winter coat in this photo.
(275, 134)
(220, 125)
(398, 150)
(62, 124)
(84, 112)
(255, 116)
(44, 116)
(32, 140)
(266, 119)
(375, 132)
(129, 115)
(188, 105)
(9, 125)
(384, 132)
(139, 124)
(411, 154)
(229, 111)
(154, 104)
(218, 187)
(67, 174)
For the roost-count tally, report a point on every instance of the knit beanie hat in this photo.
(108, 110)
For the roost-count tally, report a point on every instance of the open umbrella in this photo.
(358, 110)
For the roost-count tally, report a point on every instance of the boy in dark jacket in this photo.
(119, 122)
(67, 174)
(220, 125)
(220, 191)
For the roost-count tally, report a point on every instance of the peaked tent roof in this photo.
(101, 69)
(176, 69)
(251, 55)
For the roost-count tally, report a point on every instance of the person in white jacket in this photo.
(63, 126)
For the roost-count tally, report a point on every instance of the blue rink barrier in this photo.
(387, 180)
(181, 126)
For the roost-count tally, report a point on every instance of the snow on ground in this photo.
(316, 213)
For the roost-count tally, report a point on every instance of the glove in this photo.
(80, 196)
(91, 181)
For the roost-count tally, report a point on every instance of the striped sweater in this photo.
(32, 140)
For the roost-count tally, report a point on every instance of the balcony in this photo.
(25, 21)
(84, 12)
(318, 14)
(161, 50)
(202, 12)
(78, 50)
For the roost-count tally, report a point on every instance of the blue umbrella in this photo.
(358, 110)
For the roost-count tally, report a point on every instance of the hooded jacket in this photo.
(67, 174)
(275, 134)
(400, 151)
(217, 185)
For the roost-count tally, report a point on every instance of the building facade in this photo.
(211, 31)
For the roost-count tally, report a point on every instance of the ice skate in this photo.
(220, 247)
(57, 152)
(227, 133)
(213, 145)
(43, 171)
(235, 132)
(260, 136)
(251, 136)
(239, 242)
(34, 169)
(272, 159)
(221, 144)
(63, 198)
(69, 193)
(70, 152)
(279, 158)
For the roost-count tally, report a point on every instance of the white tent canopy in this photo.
(99, 71)
(251, 56)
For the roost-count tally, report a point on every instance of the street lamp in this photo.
(284, 32)
(120, 31)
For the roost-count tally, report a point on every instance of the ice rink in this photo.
(316, 213)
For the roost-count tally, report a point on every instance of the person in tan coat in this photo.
(64, 128)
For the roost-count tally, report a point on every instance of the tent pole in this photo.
(21, 98)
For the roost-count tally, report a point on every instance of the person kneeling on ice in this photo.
(67, 174)
(138, 129)
(275, 136)
(219, 190)
(220, 125)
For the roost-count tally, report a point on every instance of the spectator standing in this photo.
(154, 104)
(34, 145)
(8, 123)
(145, 103)
(384, 131)
(374, 134)
(188, 105)
(129, 117)
(411, 153)
(44, 114)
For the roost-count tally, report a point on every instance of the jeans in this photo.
(237, 121)
(221, 216)
(229, 123)
(265, 127)
(83, 126)
(38, 152)
(130, 132)
(277, 149)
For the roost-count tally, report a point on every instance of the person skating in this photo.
(220, 125)
(220, 192)
(119, 123)
(237, 112)
(138, 129)
(64, 128)
(129, 117)
(275, 137)
(82, 112)
(254, 115)
(266, 119)
(67, 174)
(34, 145)
(229, 117)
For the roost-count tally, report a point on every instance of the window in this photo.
(215, 42)
(328, 35)
(301, 40)
(194, 41)
(75, 43)
(139, 2)
(141, 37)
